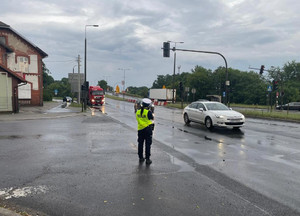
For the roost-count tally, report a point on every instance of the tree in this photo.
(140, 91)
(288, 79)
(163, 80)
(200, 79)
(47, 79)
(103, 84)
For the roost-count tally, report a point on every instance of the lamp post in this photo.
(85, 62)
(175, 42)
(124, 69)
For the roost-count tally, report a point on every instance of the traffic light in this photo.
(180, 86)
(261, 69)
(166, 49)
(85, 86)
(275, 85)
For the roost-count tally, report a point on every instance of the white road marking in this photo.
(8, 193)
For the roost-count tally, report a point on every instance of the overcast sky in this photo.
(131, 33)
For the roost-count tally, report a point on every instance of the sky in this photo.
(127, 44)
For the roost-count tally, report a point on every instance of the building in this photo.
(21, 57)
(9, 83)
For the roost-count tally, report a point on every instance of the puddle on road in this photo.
(59, 109)
(184, 166)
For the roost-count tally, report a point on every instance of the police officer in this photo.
(144, 118)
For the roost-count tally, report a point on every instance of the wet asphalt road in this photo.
(87, 165)
(264, 155)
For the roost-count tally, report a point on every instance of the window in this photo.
(23, 64)
(200, 105)
(2, 40)
(98, 92)
(194, 105)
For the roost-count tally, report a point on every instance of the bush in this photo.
(47, 96)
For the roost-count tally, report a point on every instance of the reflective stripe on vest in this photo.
(143, 120)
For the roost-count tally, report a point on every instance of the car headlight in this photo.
(93, 100)
(219, 116)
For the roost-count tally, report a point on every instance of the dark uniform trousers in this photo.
(145, 135)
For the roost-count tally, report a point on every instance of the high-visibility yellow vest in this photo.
(142, 120)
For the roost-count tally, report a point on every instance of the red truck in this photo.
(96, 96)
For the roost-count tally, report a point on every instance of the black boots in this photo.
(148, 161)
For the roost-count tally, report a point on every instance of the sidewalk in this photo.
(41, 112)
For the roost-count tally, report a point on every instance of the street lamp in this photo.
(124, 69)
(174, 49)
(85, 62)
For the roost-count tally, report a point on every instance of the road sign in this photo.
(193, 90)
(269, 88)
(117, 89)
(224, 94)
(55, 91)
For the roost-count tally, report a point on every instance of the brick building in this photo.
(23, 58)
(9, 83)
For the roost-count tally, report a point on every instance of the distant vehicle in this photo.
(289, 106)
(213, 114)
(67, 99)
(162, 94)
(96, 96)
(138, 104)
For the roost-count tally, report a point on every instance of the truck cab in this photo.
(96, 96)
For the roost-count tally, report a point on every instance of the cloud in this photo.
(131, 33)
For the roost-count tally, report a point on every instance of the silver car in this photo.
(213, 114)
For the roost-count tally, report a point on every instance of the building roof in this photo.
(5, 26)
(14, 74)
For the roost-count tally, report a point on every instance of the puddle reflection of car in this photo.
(213, 114)
(138, 104)
(289, 106)
(67, 99)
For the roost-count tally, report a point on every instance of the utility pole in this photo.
(78, 96)
(123, 82)
(174, 68)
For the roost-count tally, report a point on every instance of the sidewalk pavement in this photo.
(48, 110)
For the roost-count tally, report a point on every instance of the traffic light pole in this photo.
(215, 53)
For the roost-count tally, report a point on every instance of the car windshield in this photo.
(97, 92)
(216, 106)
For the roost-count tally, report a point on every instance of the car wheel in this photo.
(186, 119)
(209, 123)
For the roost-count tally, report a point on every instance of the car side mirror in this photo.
(201, 109)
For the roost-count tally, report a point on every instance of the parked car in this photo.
(67, 99)
(213, 114)
(138, 104)
(289, 106)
